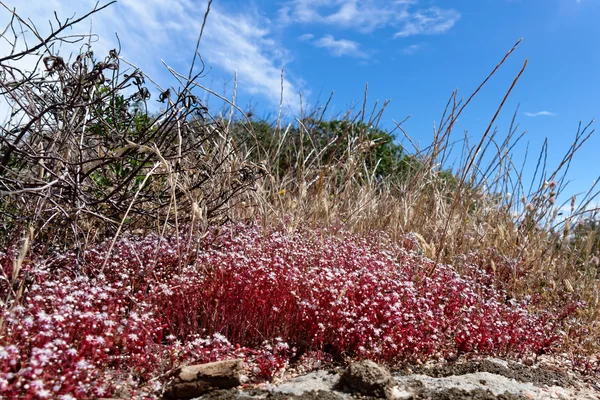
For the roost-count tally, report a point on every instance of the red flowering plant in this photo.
(148, 305)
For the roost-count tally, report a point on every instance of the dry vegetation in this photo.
(83, 163)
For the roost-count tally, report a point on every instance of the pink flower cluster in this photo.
(70, 332)
(258, 294)
(363, 297)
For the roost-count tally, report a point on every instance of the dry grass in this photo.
(518, 228)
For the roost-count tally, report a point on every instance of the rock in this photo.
(195, 380)
(400, 394)
(371, 379)
(528, 361)
(262, 395)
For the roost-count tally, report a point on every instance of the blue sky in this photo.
(413, 52)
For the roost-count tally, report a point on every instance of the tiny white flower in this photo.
(71, 351)
(282, 346)
(37, 384)
(82, 364)
(219, 337)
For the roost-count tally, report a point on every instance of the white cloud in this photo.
(539, 113)
(306, 37)
(151, 30)
(363, 15)
(340, 47)
(431, 21)
(412, 49)
(369, 15)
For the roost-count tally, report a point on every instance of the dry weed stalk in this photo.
(477, 213)
(82, 159)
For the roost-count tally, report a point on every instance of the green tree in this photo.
(330, 141)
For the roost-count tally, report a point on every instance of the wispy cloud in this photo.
(239, 41)
(369, 15)
(539, 113)
(412, 49)
(431, 21)
(340, 47)
(306, 37)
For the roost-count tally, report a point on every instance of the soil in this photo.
(450, 394)
(264, 394)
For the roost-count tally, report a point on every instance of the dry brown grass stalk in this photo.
(480, 214)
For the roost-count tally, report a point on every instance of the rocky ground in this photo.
(484, 379)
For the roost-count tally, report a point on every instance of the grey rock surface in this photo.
(490, 379)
